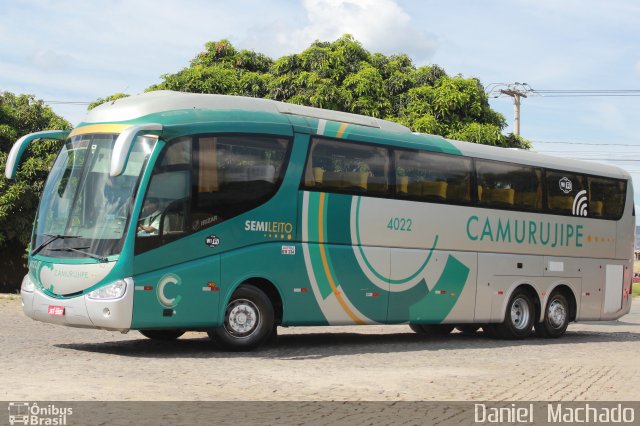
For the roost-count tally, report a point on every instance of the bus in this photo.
(170, 212)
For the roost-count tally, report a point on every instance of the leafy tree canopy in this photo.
(342, 75)
(111, 98)
(20, 115)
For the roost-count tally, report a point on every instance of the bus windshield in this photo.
(84, 211)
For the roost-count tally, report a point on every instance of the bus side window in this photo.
(428, 176)
(606, 197)
(342, 166)
(233, 174)
(508, 185)
(562, 188)
(164, 214)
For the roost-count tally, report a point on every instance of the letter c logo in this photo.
(164, 281)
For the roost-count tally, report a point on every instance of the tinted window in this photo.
(606, 197)
(507, 185)
(428, 176)
(198, 182)
(234, 174)
(165, 211)
(562, 189)
(347, 167)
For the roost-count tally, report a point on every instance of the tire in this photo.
(437, 329)
(164, 335)
(518, 318)
(556, 317)
(468, 329)
(248, 321)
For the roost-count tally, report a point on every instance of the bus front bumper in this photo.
(81, 311)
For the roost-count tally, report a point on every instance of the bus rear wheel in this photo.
(437, 329)
(556, 317)
(164, 335)
(519, 317)
(248, 320)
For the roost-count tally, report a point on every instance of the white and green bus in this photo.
(170, 212)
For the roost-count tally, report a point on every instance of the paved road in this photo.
(593, 361)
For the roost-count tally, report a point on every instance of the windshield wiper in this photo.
(86, 253)
(50, 240)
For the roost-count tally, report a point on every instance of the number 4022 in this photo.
(400, 224)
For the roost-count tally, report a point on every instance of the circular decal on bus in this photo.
(565, 185)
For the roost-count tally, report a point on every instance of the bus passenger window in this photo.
(342, 166)
(606, 197)
(428, 176)
(508, 185)
(234, 174)
(562, 188)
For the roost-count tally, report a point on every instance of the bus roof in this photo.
(133, 107)
(532, 158)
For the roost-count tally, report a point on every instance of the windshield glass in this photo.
(82, 205)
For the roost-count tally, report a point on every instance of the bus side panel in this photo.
(183, 295)
(281, 264)
(432, 287)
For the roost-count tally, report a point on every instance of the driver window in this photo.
(165, 209)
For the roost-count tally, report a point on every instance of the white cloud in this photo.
(381, 25)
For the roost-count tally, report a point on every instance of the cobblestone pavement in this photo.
(593, 361)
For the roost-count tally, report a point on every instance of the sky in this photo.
(81, 50)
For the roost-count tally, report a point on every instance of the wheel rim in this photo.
(557, 313)
(520, 313)
(242, 318)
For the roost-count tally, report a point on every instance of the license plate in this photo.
(56, 311)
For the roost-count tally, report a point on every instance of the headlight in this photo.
(112, 291)
(27, 284)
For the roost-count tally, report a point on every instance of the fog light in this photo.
(106, 312)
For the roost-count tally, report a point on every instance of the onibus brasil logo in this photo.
(26, 413)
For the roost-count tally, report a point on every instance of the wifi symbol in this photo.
(580, 204)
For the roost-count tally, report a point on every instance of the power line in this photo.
(588, 90)
(585, 143)
(66, 102)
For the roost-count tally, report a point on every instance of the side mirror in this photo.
(122, 147)
(18, 148)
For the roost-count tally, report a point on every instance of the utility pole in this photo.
(515, 90)
(516, 94)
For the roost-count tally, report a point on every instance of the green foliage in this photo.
(111, 98)
(20, 115)
(342, 75)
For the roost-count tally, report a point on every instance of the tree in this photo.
(342, 75)
(20, 115)
(111, 98)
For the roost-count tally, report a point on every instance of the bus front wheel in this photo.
(556, 317)
(248, 320)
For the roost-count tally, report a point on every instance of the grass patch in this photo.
(636, 289)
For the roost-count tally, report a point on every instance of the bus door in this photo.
(176, 269)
